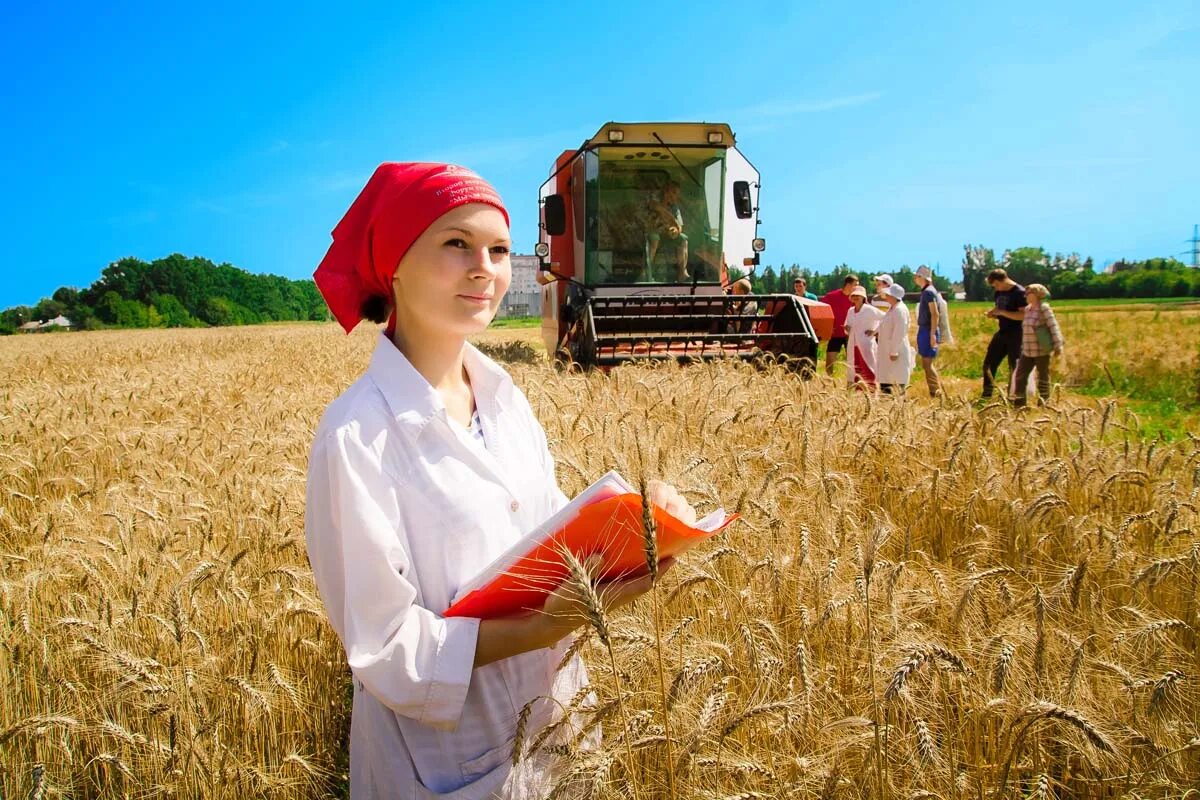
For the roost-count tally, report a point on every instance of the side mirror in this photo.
(555, 211)
(742, 206)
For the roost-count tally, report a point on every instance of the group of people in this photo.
(1027, 336)
(873, 331)
(878, 350)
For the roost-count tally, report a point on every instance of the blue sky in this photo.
(241, 132)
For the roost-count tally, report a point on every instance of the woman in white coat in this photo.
(894, 357)
(420, 474)
(861, 323)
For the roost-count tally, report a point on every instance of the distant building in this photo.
(58, 322)
(524, 298)
(524, 275)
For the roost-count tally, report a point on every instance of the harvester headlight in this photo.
(715, 137)
(616, 136)
(758, 245)
(541, 249)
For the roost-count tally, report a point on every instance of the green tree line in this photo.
(1067, 276)
(1072, 277)
(174, 292)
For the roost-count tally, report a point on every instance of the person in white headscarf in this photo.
(894, 355)
(882, 284)
(861, 323)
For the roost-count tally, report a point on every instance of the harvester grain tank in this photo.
(638, 227)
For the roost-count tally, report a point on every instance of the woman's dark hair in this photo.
(375, 308)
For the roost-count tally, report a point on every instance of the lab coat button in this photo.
(513, 506)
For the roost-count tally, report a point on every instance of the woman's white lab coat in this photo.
(860, 328)
(402, 508)
(893, 340)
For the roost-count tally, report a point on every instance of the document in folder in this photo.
(605, 520)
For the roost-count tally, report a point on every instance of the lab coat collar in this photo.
(414, 402)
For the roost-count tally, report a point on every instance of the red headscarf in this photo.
(398, 203)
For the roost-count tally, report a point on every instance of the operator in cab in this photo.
(666, 223)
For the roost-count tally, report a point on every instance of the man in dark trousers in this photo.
(1009, 311)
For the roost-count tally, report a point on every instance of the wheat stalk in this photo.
(1036, 712)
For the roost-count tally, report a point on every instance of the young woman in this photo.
(1040, 337)
(421, 473)
(894, 357)
(861, 323)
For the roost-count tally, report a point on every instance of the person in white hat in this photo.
(862, 320)
(882, 282)
(894, 357)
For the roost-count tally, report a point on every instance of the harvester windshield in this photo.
(651, 203)
(652, 215)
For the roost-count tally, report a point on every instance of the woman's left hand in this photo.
(668, 498)
(566, 608)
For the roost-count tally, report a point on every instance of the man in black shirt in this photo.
(1009, 311)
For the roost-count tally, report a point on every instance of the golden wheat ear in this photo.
(583, 583)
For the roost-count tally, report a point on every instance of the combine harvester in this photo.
(637, 227)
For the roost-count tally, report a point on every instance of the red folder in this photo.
(602, 521)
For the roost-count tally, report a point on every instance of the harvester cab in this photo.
(638, 228)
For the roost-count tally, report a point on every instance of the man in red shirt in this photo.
(839, 301)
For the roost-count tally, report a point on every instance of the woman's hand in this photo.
(668, 498)
(568, 607)
(565, 609)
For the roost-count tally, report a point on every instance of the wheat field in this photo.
(922, 600)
